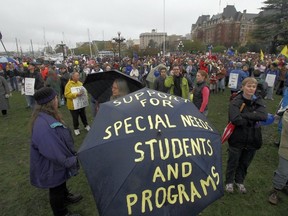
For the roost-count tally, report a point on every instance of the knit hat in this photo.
(238, 65)
(44, 95)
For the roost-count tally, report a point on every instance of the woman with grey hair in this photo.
(119, 88)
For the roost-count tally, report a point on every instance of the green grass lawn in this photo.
(18, 197)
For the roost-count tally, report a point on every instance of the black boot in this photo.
(73, 198)
(72, 214)
(277, 143)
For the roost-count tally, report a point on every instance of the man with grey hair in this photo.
(239, 75)
(70, 95)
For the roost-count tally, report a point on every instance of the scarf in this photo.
(177, 86)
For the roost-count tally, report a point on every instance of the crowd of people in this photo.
(250, 80)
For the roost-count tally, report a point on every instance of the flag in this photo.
(230, 52)
(261, 55)
(285, 51)
(0, 36)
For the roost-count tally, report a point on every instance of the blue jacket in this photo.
(128, 69)
(52, 156)
(241, 76)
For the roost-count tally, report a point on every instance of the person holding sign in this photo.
(245, 110)
(236, 77)
(272, 75)
(53, 159)
(32, 82)
(77, 100)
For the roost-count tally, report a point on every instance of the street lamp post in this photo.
(180, 46)
(119, 40)
(62, 45)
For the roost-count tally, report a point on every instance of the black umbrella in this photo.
(152, 153)
(99, 84)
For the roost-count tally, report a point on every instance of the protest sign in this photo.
(233, 80)
(80, 101)
(270, 79)
(29, 86)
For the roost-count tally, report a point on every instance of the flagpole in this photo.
(32, 48)
(219, 6)
(3, 44)
(164, 39)
(89, 44)
(4, 47)
(17, 47)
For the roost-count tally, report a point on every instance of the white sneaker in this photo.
(77, 132)
(241, 188)
(229, 188)
(87, 127)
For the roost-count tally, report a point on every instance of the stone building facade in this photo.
(228, 28)
(156, 37)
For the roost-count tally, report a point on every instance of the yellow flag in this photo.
(285, 51)
(261, 55)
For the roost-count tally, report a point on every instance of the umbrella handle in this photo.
(242, 107)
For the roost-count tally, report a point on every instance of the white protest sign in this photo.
(270, 79)
(233, 81)
(29, 86)
(81, 101)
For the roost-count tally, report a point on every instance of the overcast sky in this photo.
(69, 20)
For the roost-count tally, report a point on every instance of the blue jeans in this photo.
(14, 83)
(281, 174)
(270, 91)
(238, 163)
(221, 84)
(31, 101)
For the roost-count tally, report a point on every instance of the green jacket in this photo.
(169, 83)
(54, 83)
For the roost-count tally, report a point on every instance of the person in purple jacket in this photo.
(53, 159)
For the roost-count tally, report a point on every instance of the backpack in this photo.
(234, 94)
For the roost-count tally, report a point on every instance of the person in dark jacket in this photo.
(38, 83)
(245, 111)
(159, 81)
(12, 74)
(64, 77)
(53, 159)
